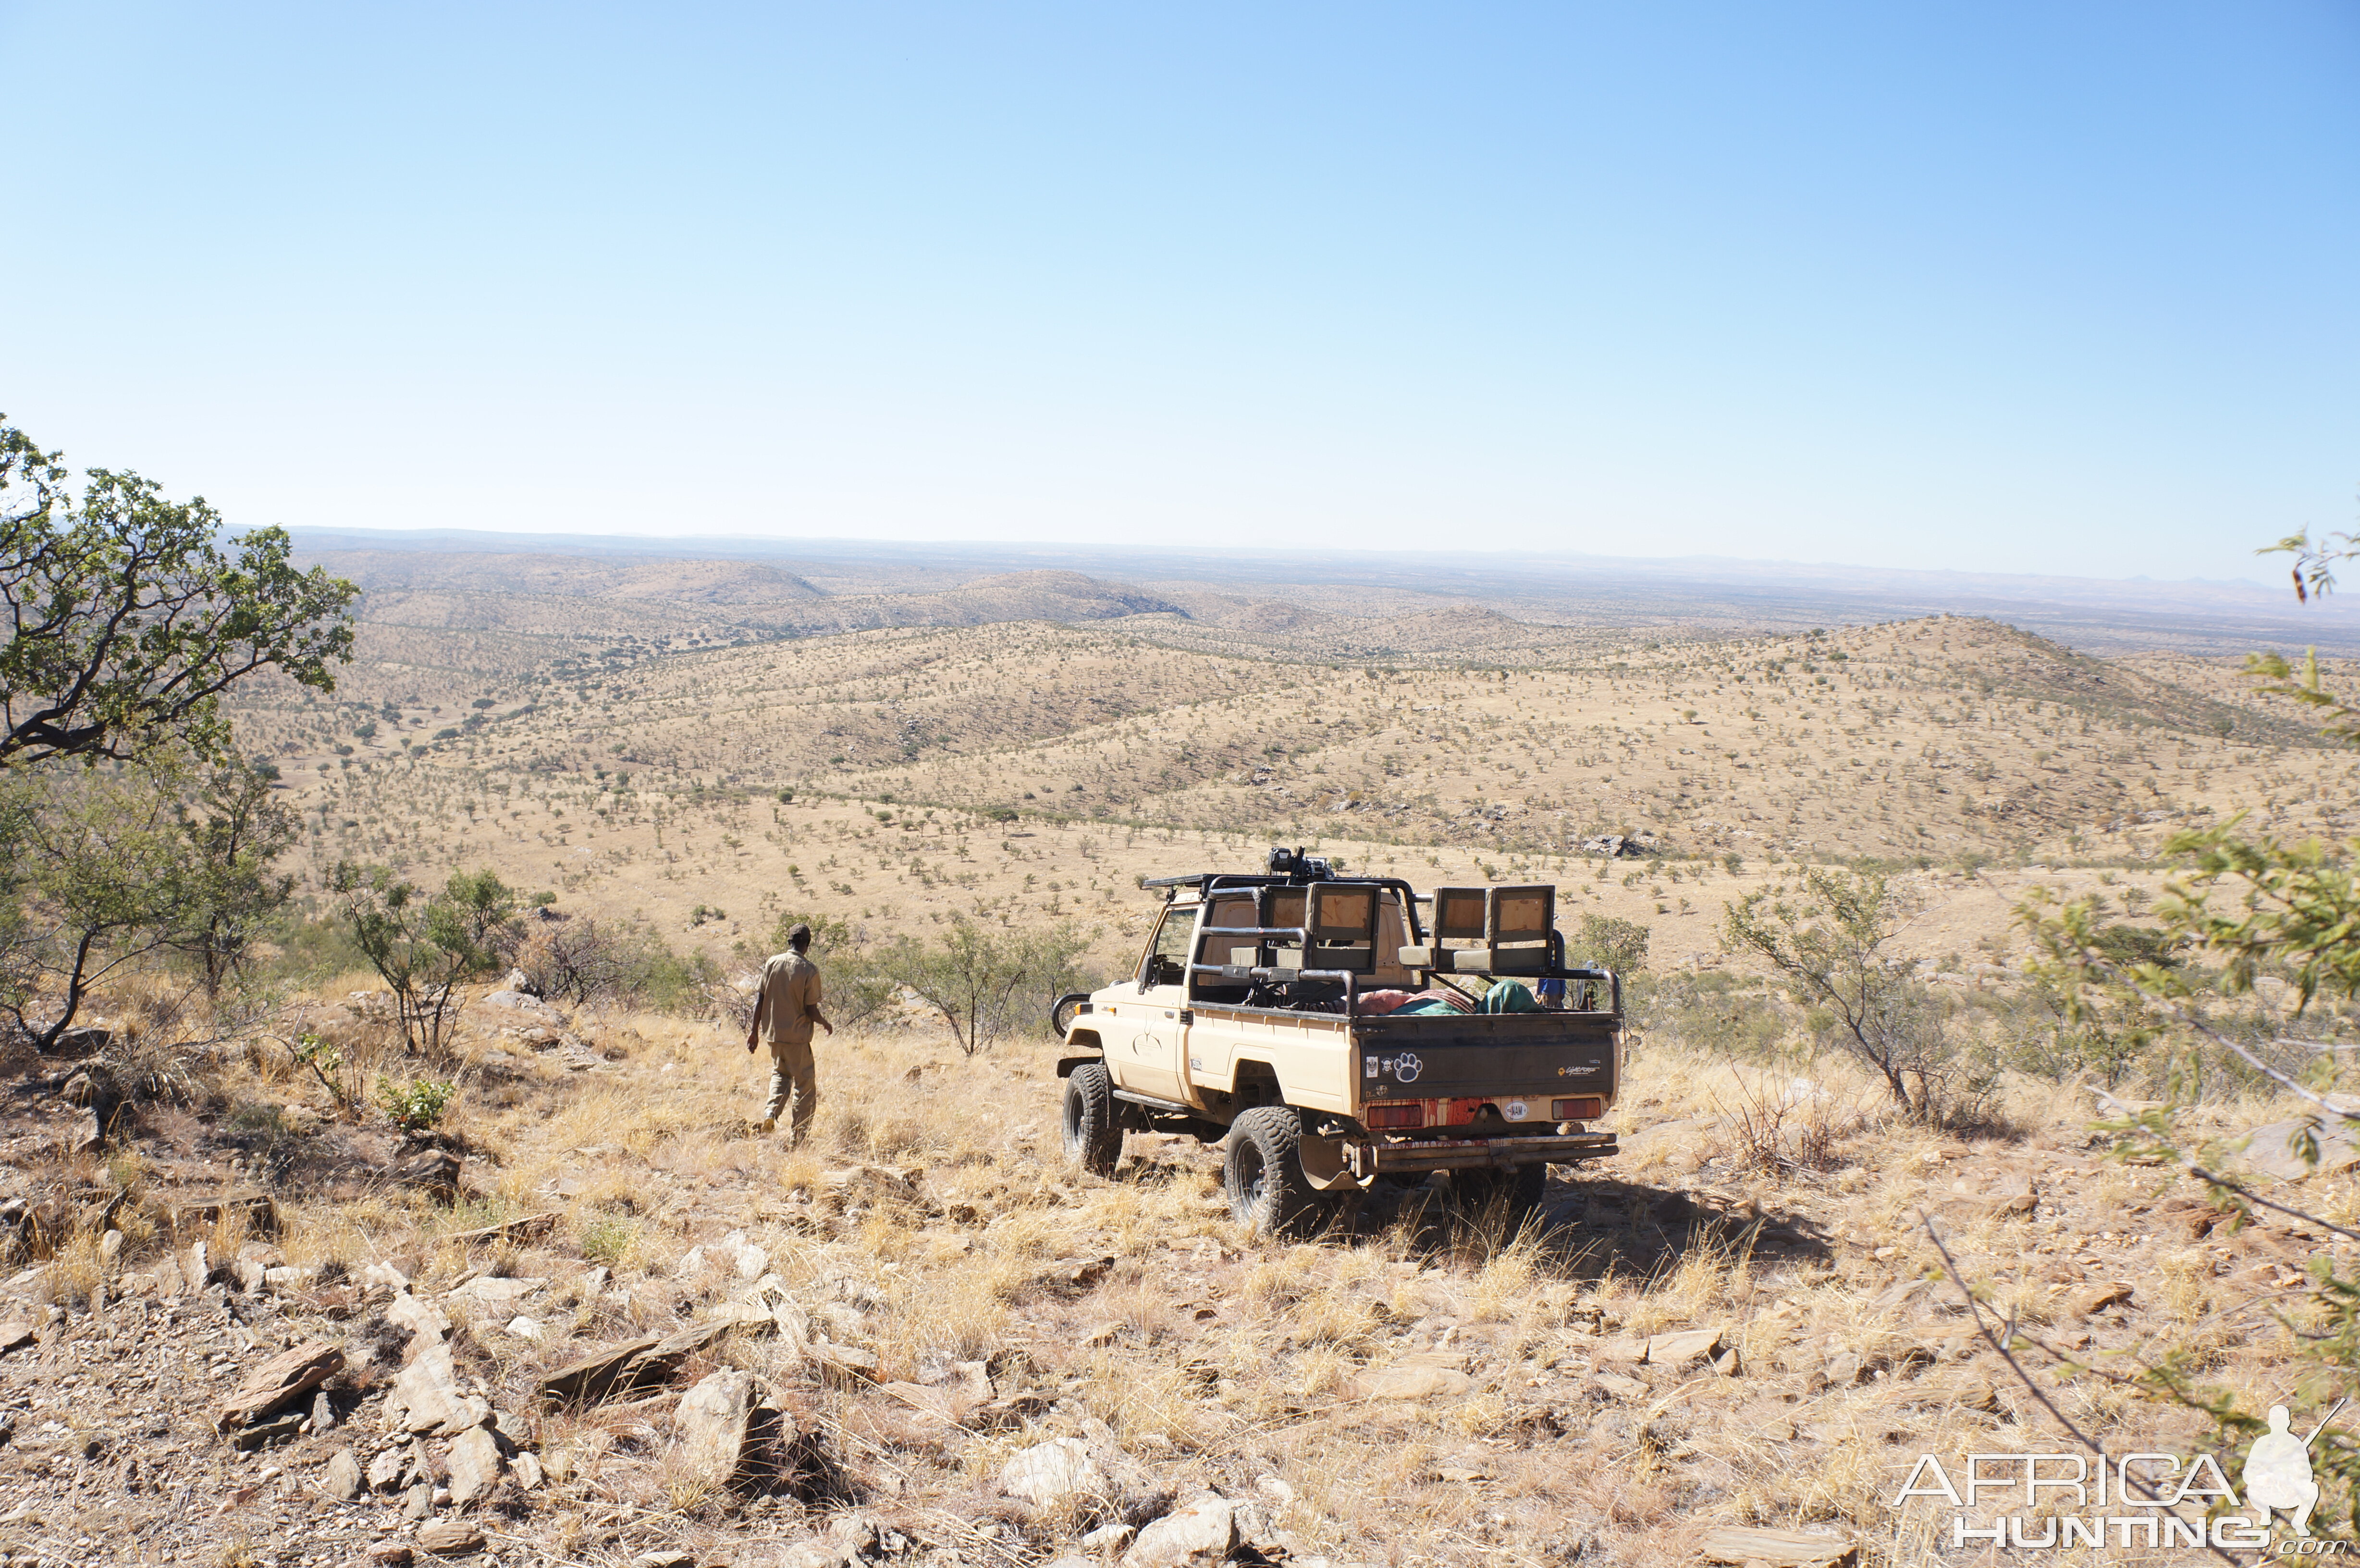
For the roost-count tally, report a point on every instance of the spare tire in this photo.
(1064, 1010)
(1093, 1137)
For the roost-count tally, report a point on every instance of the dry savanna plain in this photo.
(592, 1318)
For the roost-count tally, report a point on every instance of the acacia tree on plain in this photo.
(985, 981)
(231, 833)
(129, 615)
(1826, 934)
(95, 875)
(425, 946)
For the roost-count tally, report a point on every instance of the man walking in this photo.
(784, 1011)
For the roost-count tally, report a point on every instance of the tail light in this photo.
(1396, 1113)
(1582, 1109)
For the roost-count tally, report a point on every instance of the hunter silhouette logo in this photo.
(2277, 1472)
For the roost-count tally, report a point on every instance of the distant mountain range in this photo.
(431, 576)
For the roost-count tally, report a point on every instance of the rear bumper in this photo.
(1365, 1160)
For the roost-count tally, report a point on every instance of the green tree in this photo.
(1826, 934)
(1620, 946)
(425, 946)
(129, 615)
(93, 875)
(232, 832)
(986, 981)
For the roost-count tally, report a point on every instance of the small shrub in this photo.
(416, 1104)
(609, 1239)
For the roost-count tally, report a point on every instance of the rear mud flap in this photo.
(1324, 1163)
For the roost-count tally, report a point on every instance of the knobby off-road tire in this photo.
(1262, 1177)
(1517, 1191)
(1093, 1134)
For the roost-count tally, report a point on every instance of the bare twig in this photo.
(1998, 1343)
(2253, 1197)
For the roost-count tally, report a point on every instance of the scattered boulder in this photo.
(395, 1467)
(726, 1423)
(340, 1476)
(1204, 1533)
(434, 1172)
(1048, 1473)
(426, 1397)
(475, 1465)
(1680, 1349)
(16, 1333)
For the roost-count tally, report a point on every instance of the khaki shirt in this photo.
(790, 989)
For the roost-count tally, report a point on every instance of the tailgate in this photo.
(1484, 1056)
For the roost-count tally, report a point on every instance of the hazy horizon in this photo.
(2057, 290)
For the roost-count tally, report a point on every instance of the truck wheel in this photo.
(1262, 1177)
(1093, 1135)
(1519, 1191)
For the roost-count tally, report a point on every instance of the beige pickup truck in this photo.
(1328, 1035)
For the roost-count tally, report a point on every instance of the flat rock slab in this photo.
(1412, 1382)
(16, 1334)
(524, 1226)
(491, 1291)
(2284, 1149)
(1679, 1349)
(418, 1316)
(449, 1538)
(1663, 1349)
(340, 1476)
(1779, 1548)
(426, 1397)
(285, 1377)
(626, 1367)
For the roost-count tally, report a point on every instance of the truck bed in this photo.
(1428, 1056)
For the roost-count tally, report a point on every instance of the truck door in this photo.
(1158, 1052)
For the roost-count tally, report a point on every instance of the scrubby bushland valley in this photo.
(380, 1185)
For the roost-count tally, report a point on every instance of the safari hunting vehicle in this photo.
(1330, 1038)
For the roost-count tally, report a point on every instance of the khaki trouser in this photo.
(793, 1073)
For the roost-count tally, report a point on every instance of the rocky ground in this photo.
(590, 1322)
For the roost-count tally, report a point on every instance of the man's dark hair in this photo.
(799, 937)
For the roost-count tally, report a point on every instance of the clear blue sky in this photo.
(2043, 287)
